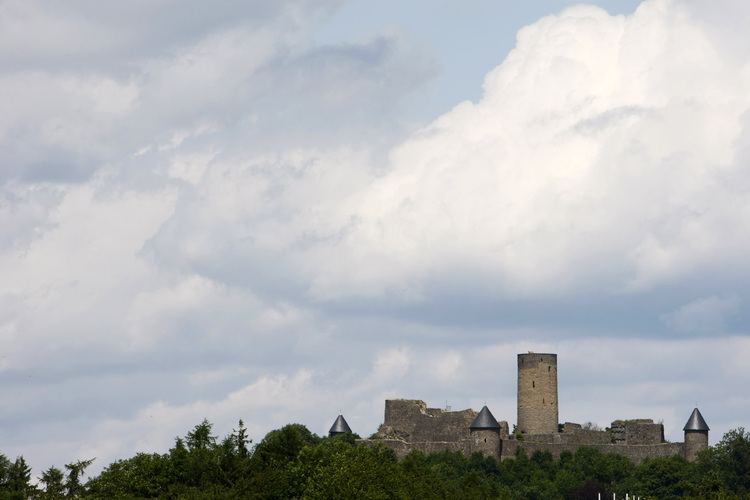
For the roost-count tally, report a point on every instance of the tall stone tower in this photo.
(696, 435)
(537, 393)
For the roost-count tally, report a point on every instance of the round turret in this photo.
(696, 435)
(537, 394)
(339, 426)
(485, 434)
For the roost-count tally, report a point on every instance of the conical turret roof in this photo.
(485, 420)
(696, 422)
(340, 426)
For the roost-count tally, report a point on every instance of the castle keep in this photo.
(410, 425)
(537, 394)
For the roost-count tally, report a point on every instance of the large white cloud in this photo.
(603, 156)
(115, 150)
(227, 221)
(606, 156)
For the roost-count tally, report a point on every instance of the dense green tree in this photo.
(723, 471)
(568, 483)
(236, 454)
(200, 437)
(18, 480)
(240, 440)
(195, 467)
(15, 479)
(356, 472)
(610, 469)
(76, 471)
(590, 489)
(420, 481)
(545, 463)
(281, 446)
(201, 468)
(663, 477)
(292, 462)
(277, 471)
(53, 480)
(142, 476)
(448, 465)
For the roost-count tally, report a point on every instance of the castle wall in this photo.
(402, 448)
(636, 453)
(537, 394)
(641, 431)
(584, 436)
(410, 425)
(411, 420)
(507, 448)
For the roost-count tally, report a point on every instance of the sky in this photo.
(282, 211)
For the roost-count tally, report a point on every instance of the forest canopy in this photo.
(292, 462)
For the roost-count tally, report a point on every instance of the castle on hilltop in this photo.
(410, 425)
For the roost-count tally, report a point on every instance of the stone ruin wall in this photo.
(402, 448)
(410, 425)
(635, 452)
(639, 431)
(410, 420)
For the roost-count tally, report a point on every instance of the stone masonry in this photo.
(410, 425)
(537, 393)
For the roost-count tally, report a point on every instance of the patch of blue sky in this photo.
(467, 39)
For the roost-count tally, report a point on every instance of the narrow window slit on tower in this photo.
(532, 384)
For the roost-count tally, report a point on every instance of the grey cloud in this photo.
(244, 226)
(250, 85)
(703, 316)
(113, 37)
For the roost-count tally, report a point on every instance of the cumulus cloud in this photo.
(225, 220)
(602, 156)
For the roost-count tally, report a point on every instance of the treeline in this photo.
(292, 462)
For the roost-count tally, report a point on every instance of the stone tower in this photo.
(537, 393)
(696, 435)
(485, 434)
